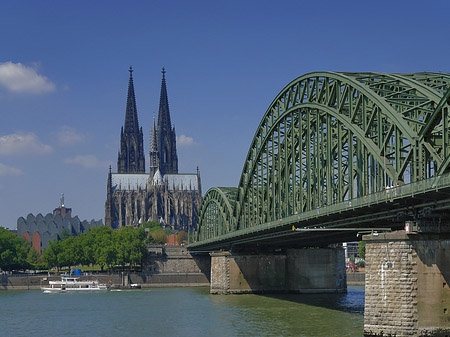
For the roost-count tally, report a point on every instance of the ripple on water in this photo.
(180, 311)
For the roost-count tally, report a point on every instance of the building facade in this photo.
(40, 230)
(163, 194)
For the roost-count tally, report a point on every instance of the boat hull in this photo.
(73, 284)
(48, 290)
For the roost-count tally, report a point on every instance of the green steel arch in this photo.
(330, 137)
(216, 212)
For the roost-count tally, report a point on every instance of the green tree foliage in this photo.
(13, 251)
(361, 264)
(182, 237)
(51, 256)
(65, 234)
(131, 246)
(156, 234)
(101, 246)
(158, 237)
(150, 224)
(34, 260)
(362, 249)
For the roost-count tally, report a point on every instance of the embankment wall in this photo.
(356, 278)
(166, 266)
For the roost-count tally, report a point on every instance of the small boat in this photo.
(119, 287)
(73, 284)
(135, 286)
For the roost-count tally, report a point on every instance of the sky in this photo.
(64, 79)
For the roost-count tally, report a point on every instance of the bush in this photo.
(159, 237)
(362, 249)
(361, 264)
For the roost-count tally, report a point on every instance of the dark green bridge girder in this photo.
(330, 139)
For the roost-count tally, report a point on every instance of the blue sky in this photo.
(64, 76)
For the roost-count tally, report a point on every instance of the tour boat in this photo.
(73, 284)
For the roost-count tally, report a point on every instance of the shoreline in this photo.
(163, 280)
(356, 278)
(28, 282)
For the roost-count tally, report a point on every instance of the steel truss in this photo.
(330, 137)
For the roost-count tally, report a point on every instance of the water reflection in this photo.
(299, 314)
(181, 312)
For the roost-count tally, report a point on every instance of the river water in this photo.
(180, 312)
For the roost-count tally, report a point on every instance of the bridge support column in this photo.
(407, 285)
(295, 270)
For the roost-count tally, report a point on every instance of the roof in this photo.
(127, 181)
(157, 178)
(182, 181)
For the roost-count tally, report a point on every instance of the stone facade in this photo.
(176, 259)
(163, 194)
(296, 270)
(407, 285)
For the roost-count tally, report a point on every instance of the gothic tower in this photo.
(131, 157)
(163, 194)
(167, 147)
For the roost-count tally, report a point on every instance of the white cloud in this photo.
(6, 170)
(185, 141)
(86, 161)
(19, 78)
(68, 135)
(23, 143)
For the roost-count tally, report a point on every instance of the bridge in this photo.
(338, 154)
(334, 153)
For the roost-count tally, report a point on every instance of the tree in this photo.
(362, 249)
(156, 234)
(100, 245)
(65, 233)
(105, 251)
(71, 252)
(13, 251)
(50, 255)
(130, 245)
(34, 260)
(159, 237)
(182, 237)
(150, 224)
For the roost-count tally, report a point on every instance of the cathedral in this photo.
(162, 195)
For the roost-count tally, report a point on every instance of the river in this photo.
(180, 312)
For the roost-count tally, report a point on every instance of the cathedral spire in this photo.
(164, 114)
(131, 117)
(167, 147)
(131, 157)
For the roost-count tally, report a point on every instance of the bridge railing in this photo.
(389, 194)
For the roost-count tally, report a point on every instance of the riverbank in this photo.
(16, 282)
(356, 278)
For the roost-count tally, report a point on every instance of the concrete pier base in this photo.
(407, 285)
(296, 270)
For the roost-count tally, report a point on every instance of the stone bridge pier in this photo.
(407, 285)
(293, 270)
